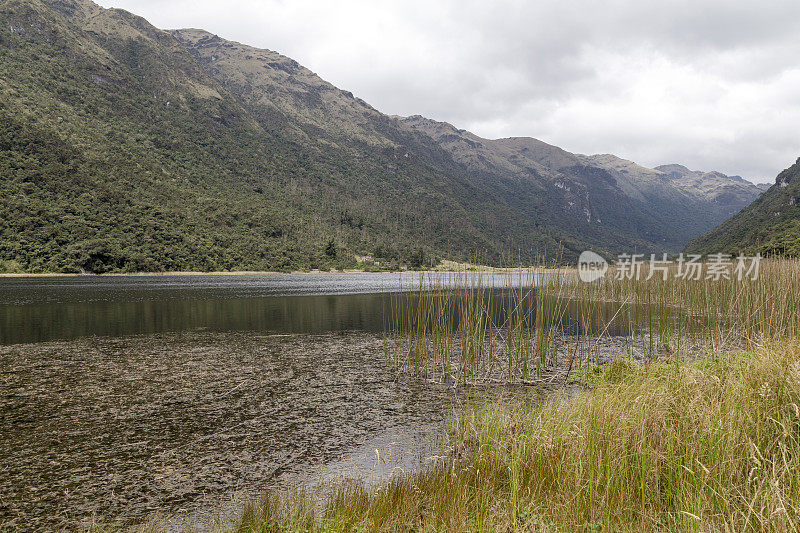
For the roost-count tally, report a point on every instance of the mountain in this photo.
(730, 194)
(770, 225)
(667, 205)
(292, 97)
(124, 147)
(118, 151)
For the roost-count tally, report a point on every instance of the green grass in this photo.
(710, 445)
(704, 436)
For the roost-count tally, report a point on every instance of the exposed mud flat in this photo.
(129, 427)
(187, 426)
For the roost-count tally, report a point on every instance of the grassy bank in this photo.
(671, 445)
(694, 425)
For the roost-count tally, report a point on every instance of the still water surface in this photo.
(34, 309)
(121, 397)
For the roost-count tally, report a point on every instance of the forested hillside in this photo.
(128, 148)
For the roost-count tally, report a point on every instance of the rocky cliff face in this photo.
(291, 98)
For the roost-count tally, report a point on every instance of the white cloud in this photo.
(712, 84)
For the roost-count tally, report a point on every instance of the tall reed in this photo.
(517, 325)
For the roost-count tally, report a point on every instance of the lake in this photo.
(35, 309)
(128, 396)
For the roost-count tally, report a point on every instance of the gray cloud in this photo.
(712, 84)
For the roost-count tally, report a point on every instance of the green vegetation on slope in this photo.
(127, 148)
(119, 153)
(770, 225)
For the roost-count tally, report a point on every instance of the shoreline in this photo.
(470, 269)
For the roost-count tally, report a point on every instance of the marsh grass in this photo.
(468, 328)
(674, 440)
(709, 445)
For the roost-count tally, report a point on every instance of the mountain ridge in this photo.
(124, 147)
(649, 187)
(769, 226)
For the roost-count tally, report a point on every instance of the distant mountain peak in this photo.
(673, 170)
(770, 225)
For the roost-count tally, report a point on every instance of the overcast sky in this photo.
(711, 84)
